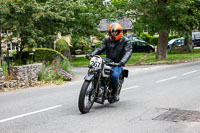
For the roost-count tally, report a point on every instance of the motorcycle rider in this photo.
(119, 49)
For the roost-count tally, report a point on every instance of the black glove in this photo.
(88, 56)
(121, 64)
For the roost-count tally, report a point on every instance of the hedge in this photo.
(40, 55)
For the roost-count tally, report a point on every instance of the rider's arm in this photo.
(128, 53)
(101, 49)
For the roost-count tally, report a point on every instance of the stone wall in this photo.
(21, 76)
(1, 79)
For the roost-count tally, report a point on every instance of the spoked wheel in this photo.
(86, 97)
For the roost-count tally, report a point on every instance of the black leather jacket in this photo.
(118, 51)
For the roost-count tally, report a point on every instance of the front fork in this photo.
(91, 77)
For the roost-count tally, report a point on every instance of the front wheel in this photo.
(86, 97)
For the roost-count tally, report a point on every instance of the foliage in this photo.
(38, 55)
(162, 17)
(63, 47)
(98, 44)
(54, 72)
(82, 43)
(61, 44)
(37, 24)
(46, 54)
(152, 39)
(30, 23)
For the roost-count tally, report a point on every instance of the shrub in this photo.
(80, 42)
(47, 54)
(63, 47)
(39, 55)
(98, 44)
(55, 72)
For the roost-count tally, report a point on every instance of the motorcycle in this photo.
(97, 86)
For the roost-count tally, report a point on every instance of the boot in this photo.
(116, 94)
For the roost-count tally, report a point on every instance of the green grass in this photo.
(174, 57)
(146, 58)
(79, 61)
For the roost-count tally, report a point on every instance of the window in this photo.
(4, 31)
(12, 46)
(9, 46)
(197, 36)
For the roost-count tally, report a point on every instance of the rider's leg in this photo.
(115, 80)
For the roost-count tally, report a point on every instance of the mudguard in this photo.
(89, 77)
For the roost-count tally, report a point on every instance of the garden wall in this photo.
(20, 76)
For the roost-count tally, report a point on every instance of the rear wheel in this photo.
(86, 97)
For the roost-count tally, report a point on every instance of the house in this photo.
(125, 22)
(103, 27)
(11, 46)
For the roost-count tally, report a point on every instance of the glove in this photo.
(88, 56)
(121, 64)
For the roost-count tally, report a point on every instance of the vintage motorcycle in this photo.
(97, 86)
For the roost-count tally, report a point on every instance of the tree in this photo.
(188, 19)
(17, 18)
(37, 24)
(160, 16)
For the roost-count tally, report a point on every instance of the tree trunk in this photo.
(188, 41)
(162, 45)
(164, 30)
(21, 47)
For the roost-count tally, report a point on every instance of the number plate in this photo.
(96, 62)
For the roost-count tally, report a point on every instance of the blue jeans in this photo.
(115, 75)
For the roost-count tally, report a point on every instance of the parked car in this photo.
(142, 46)
(177, 42)
(196, 38)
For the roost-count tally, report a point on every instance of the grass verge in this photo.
(176, 56)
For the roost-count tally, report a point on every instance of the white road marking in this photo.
(189, 72)
(130, 88)
(166, 79)
(27, 114)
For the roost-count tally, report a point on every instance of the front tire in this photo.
(86, 97)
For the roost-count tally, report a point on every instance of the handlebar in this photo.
(106, 61)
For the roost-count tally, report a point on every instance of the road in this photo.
(154, 99)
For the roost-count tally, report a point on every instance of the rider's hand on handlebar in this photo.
(88, 56)
(121, 64)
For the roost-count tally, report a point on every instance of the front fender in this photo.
(89, 77)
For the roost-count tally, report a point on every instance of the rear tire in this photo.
(87, 91)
